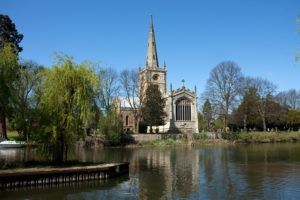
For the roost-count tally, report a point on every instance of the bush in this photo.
(111, 128)
(230, 135)
(200, 136)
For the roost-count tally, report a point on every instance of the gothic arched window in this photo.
(183, 110)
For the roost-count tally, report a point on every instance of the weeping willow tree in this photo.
(68, 100)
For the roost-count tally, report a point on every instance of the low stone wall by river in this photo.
(154, 137)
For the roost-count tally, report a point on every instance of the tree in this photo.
(109, 89)
(26, 101)
(129, 82)
(265, 90)
(111, 126)
(207, 114)
(247, 109)
(276, 115)
(291, 98)
(9, 34)
(68, 98)
(8, 75)
(293, 119)
(153, 108)
(223, 87)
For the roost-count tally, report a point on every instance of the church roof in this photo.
(152, 59)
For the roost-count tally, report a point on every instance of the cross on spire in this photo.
(183, 81)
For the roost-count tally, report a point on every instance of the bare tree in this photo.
(109, 88)
(291, 98)
(265, 90)
(223, 87)
(129, 80)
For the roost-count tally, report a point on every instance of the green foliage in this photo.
(14, 135)
(26, 98)
(153, 108)
(293, 119)
(201, 123)
(9, 34)
(207, 114)
(111, 127)
(246, 115)
(230, 135)
(218, 124)
(8, 75)
(200, 136)
(67, 102)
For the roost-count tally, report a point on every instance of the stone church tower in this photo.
(181, 104)
(152, 73)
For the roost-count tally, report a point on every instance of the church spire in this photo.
(151, 60)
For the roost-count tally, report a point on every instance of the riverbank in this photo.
(268, 137)
(203, 138)
(223, 138)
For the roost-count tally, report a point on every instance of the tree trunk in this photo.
(224, 123)
(136, 124)
(3, 133)
(151, 130)
(245, 123)
(264, 124)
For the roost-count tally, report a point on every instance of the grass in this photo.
(13, 135)
(268, 137)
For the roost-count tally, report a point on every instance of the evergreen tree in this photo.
(8, 75)
(9, 34)
(207, 114)
(153, 108)
(9, 48)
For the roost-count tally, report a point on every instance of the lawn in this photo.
(13, 135)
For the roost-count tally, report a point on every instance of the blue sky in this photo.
(192, 36)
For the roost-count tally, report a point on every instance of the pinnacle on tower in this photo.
(151, 60)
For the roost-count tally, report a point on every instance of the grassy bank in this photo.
(268, 137)
(229, 138)
(13, 135)
(172, 142)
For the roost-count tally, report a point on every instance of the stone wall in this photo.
(153, 137)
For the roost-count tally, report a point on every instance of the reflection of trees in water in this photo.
(269, 166)
(159, 172)
(17, 156)
(219, 177)
(166, 172)
(211, 172)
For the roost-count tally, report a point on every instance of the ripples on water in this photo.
(265, 171)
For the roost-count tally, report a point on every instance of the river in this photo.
(261, 171)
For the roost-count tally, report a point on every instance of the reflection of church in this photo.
(181, 104)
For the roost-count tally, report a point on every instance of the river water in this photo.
(262, 171)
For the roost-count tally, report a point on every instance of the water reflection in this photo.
(262, 171)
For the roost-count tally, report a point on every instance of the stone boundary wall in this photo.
(153, 137)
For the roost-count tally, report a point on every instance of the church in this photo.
(181, 104)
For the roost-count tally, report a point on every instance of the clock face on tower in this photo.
(155, 77)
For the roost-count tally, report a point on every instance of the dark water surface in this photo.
(264, 171)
